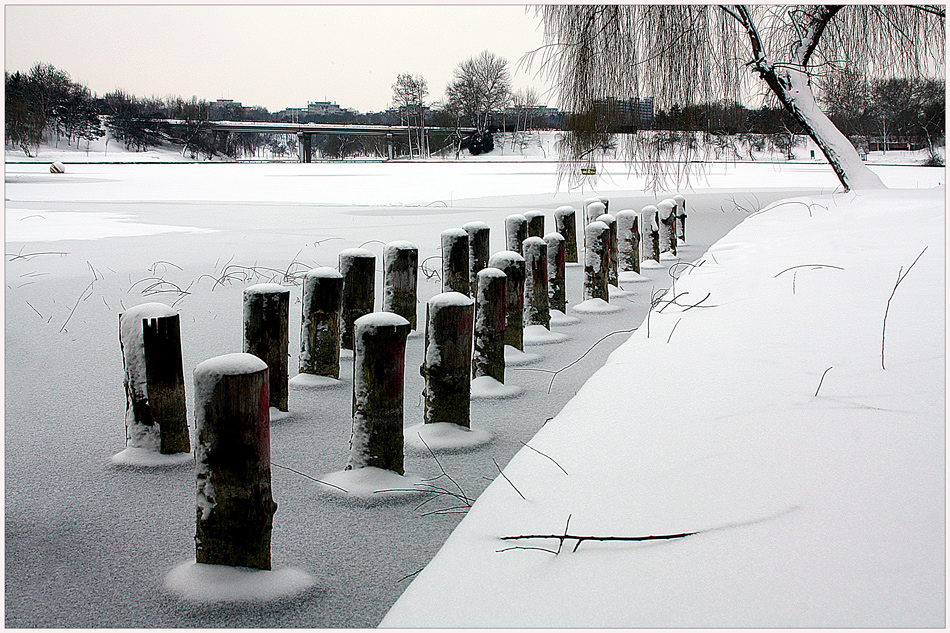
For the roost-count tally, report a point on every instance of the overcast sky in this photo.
(272, 56)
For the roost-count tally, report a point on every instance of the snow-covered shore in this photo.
(764, 419)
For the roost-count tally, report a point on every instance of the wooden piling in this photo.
(557, 291)
(320, 322)
(516, 231)
(488, 358)
(536, 305)
(535, 223)
(565, 223)
(401, 280)
(628, 241)
(448, 359)
(513, 265)
(455, 261)
(649, 226)
(358, 267)
(597, 261)
(266, 314)
(478, 251)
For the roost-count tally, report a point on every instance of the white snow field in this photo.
(91, 544)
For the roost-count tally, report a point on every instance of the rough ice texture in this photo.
(147, 436)
(263, 289)
(596, 306)
(445, 437)
(211, 584)
(324, 271)
(540, 335)
(486, 387)
(371, 484)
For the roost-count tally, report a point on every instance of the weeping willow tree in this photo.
(687, 55)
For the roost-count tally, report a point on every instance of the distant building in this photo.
(323, 107)
(632, 113)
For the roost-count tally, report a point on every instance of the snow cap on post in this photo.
(595, 210)
(516, 230)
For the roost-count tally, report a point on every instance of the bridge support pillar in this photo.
(304, 147)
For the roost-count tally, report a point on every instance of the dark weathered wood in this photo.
(597, 263)
(266, 315)
(166, 382)
(565, 223)
(358, 267)
(557, 292)
(235, 508)
(401, 280)
(379, 369)
(513, 265)
(516, 231)
(611, 222)
(667, 226)
(491, 307)
(447, 367)
(455, 261)
(535, 223)
(478, 251)
(536, 305)
(628, 241)
(649, 225)
(320, 322)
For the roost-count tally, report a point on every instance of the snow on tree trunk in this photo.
(666, 210)
(235, 507)
(320, 322)
(455, 261)
(536, 306)
(516, 231)
(680, 217)
(155, 418)
(535, 223)
(266, 313)
(491, 307)
(628, 241)
(611, 222)
(379, 368)
(651, 233)
(597, 261)
(513, 265)
(358, 267)
(478, 251)
(401, 280)
(448, 359)
(565, 223)
(557, 294)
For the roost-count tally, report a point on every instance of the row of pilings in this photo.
(488, 300)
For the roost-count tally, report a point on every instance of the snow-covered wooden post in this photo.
(516, 231)
(235, 508)
(651, 233)
(597, 261)
(320, 321)
(595, 209)
(557, 292)
(611, 222)
(379, 368)
(604, 201)
(358, 267)
(455, 261)
(401, 279)
(535, 223)
(448, 359)
(155, 413)
(680, 216)
(628, 241)
(266, 314)
(536, 306)
(565, 223)
(513, 265)
(488, 358)
(478, 251)
(667, 224)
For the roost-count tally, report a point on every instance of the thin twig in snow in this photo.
(900, 278)
(544, 455)
(309, 477)
(821, 381)
(506, 478)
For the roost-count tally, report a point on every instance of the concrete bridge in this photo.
(305, 131)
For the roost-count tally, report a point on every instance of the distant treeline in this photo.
(46, 103)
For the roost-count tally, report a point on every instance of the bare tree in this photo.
(482, 87)
(688, 54)
(409, 98)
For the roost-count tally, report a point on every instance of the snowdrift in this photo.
(766, 407)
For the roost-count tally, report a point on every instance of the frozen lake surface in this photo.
(88, 544)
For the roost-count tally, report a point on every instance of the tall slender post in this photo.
(448, 359)
(488, 358)
(155, 417)
(266, 314)
(516, 231)
(320, 322)
(611, 222)
(235, 508)
(513, 265)
(358, 267)
(680, 216)
(478, 251)
(455, 261)
(401, 280)
(628, 241)
(535, 223)
(379, 368)
(597, 261)
(667, 225)
(651, 239)
(536, 306)
(557, 293)
(565, 223)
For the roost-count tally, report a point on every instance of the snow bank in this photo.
(763, 420)
(198, 582)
